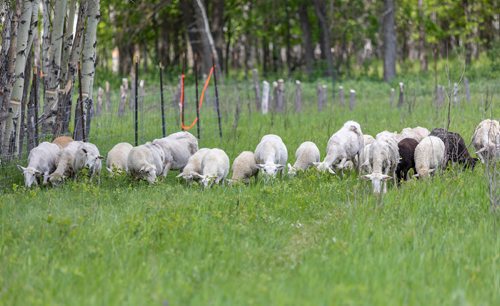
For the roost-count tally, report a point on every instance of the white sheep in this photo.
(87, 156)
(244, 167)
(383, 160)
(306, 155)
(177, 148)
(344, 146)
(42, 161)
(368, 139)
(193, 165)
(429, 156)
(145, 162)
(418, 133)
(364, 157)
(117, 157)
(271, 155)
(486, 140)
(65, 164)
(214, 167)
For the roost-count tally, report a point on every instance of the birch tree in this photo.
(389, 34)
(27, 25)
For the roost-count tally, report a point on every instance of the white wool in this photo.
(215, 167)
(418, 133)
(244, 167)
(306, 155)
(66, 163)
(486, 139)
(383, 160)
(429, 155)
(177, 149)
(117, 156)
(368, 139)
(271, 155)
(145, 162)
(343, 146)
(42, 161)
(193, 165)
(87, 156)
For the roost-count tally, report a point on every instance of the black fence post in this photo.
(197, 99)
(163, 128)
(216, 97)
(136, 109)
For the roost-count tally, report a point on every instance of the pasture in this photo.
(317, 239)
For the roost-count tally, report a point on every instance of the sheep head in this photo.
(30, 175)
(377, 180)
(323, 167)
(270, 169)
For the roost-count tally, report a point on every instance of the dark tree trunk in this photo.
(320, 9)
(305, 24)
(389, 34)
(218, 29)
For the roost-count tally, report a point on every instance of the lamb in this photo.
(244, 167)
(429, 156)
(42, 161)
(193, 165)
(407, 158)
(214, 167)
(306, 155)
(271, 155)
(117, 157)
(62, 141)
(418, 133)
(177, 148)
(455, 148)
(344, 146)
(145, 162)
(75, 156)
(383, 160)
(486, 140)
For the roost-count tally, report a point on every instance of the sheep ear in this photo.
(482, 150)
(279, 167)
(416, 175)
(196, 174)
(260, 166)
(21, 168)
(367, 177)
(431, 170)
(84, 150)
(100, 157)
(331, 171)
(366, 163)
(316, 164)
(289, 167)
(109, 170)
(386, 177)
(181, 175)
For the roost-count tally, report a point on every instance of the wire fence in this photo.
(113, 112)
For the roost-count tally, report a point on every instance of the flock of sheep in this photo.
(388, 155)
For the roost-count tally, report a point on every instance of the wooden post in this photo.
(255, 77)
(341, 96)
(321, 96)
(176, 101)
(467, 90)
(216, 97)
(456, 98)
(352, 99)
(298, 96)
(197, 99)
(265, 97)
(108, 97)
(440, 96)
(100, 93)
(393, 96)
(123, 97)
(280, 96)
(162, 103)
(136, 110)
(401, 95)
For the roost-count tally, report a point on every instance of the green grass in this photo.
(317, 239)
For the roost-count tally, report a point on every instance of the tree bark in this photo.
(218, 29)
(422, 54)
(389, 40)
(305, 24)
(320, 9)
(28, 22)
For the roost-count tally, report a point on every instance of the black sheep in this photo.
(455, 148)
(407, 158)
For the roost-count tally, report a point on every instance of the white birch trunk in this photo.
(54, 71)
(68, 39)
(265, 97)
(23, 48)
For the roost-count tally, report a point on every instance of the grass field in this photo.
(317, 239)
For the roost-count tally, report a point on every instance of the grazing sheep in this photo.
(455, 148)
(407, 158)
(306, 155)
(62, 141)
(145, 162)
(177, 148)
(42, 161)
(345, 145)
(418, 133)
(383, 159)
(486, 140)
(244, 167)
(193, 165)
(364, 157)
(117, 157)
(271, 155)
(214, 167)
(368, 139)
(74, 157)
(429, 156)
(88, 156)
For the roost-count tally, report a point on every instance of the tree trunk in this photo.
(54, 71)
(422, 55)
(32, 115)
(389, 40)
(28, 22)
(305, 24)
(68, 39)
(199, 34)
(88, 59)
(218, 29)
(21, 125)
